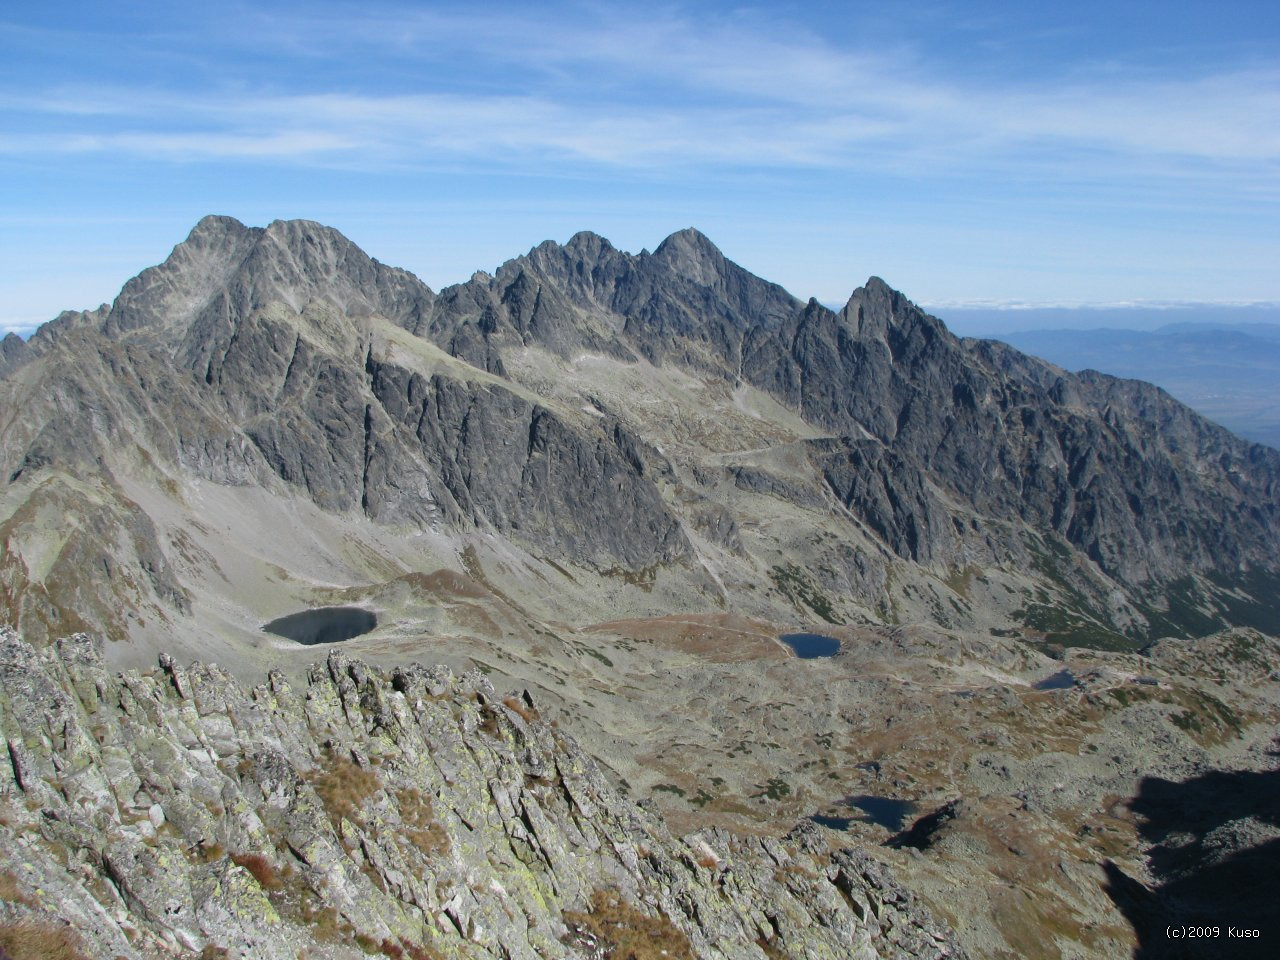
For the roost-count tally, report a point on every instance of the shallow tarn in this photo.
(323, 625)
(889, 812)
(811, 646)
(1062, 680)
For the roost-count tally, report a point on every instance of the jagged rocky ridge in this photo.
(411, 813)
(277, 357)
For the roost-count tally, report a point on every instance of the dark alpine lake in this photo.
(323, 624)
(811, 646)
(889, 812)
(1062, 680)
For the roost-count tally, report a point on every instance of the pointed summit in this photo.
(197, 270)
(689, 252)
(586, 243)
(876, 308)
(233, 270)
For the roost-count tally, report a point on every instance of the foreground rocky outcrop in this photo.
(413, 814)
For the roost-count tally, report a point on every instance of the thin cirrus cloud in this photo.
(962, 150)
(665, 92)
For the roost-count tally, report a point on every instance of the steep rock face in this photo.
(248, 357)
(175, 812)
(1103, 463)
(519, 468)
(1106, 464)
(284, 358)
(685, 303)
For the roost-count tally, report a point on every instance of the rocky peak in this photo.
(589, 245)
(875, 310)
(586, 268)
(225, 272)
(691, 254)
(175, 291)
(13, 352)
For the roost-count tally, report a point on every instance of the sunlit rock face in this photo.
(414, 812)
(610, 433)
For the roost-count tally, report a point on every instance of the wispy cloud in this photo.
(665, 90)
(1015, 155)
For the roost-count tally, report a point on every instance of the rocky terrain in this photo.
(1227, 371)
(411, 814)
(612, 481)
(1017, 793)
(602, 434)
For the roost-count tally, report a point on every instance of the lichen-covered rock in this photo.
(417, 814)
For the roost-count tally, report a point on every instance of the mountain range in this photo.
(271, 412)
(1228, 372)
(615, 485)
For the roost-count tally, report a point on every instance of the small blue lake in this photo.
(889, 812)
(811, 646)
(1062, 680)
(323, 625)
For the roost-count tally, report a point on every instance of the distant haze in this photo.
(991, 321)
(1222, 361)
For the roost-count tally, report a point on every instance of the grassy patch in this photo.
(591, 652)
(1071, 618)
(1064, 626)
(775, 789)
(31, 939)
(1249, 599)
(624, 933)
(1193, 607)
(1128, 696)
(344, 788)
(1187, 611)
(1206, 718)
(961, 579)
(702, 798)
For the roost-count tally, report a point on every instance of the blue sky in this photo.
(966, 152)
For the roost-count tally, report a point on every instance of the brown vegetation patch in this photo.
(422, 829)
(10, 892)
(407, 950)
(262, 869)
(624, 933)
(521, 709)
(771, 949)
(344, 787)
(716, 638)
(31, 939)
(443, 584)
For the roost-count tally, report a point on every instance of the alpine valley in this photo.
(609, 484)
